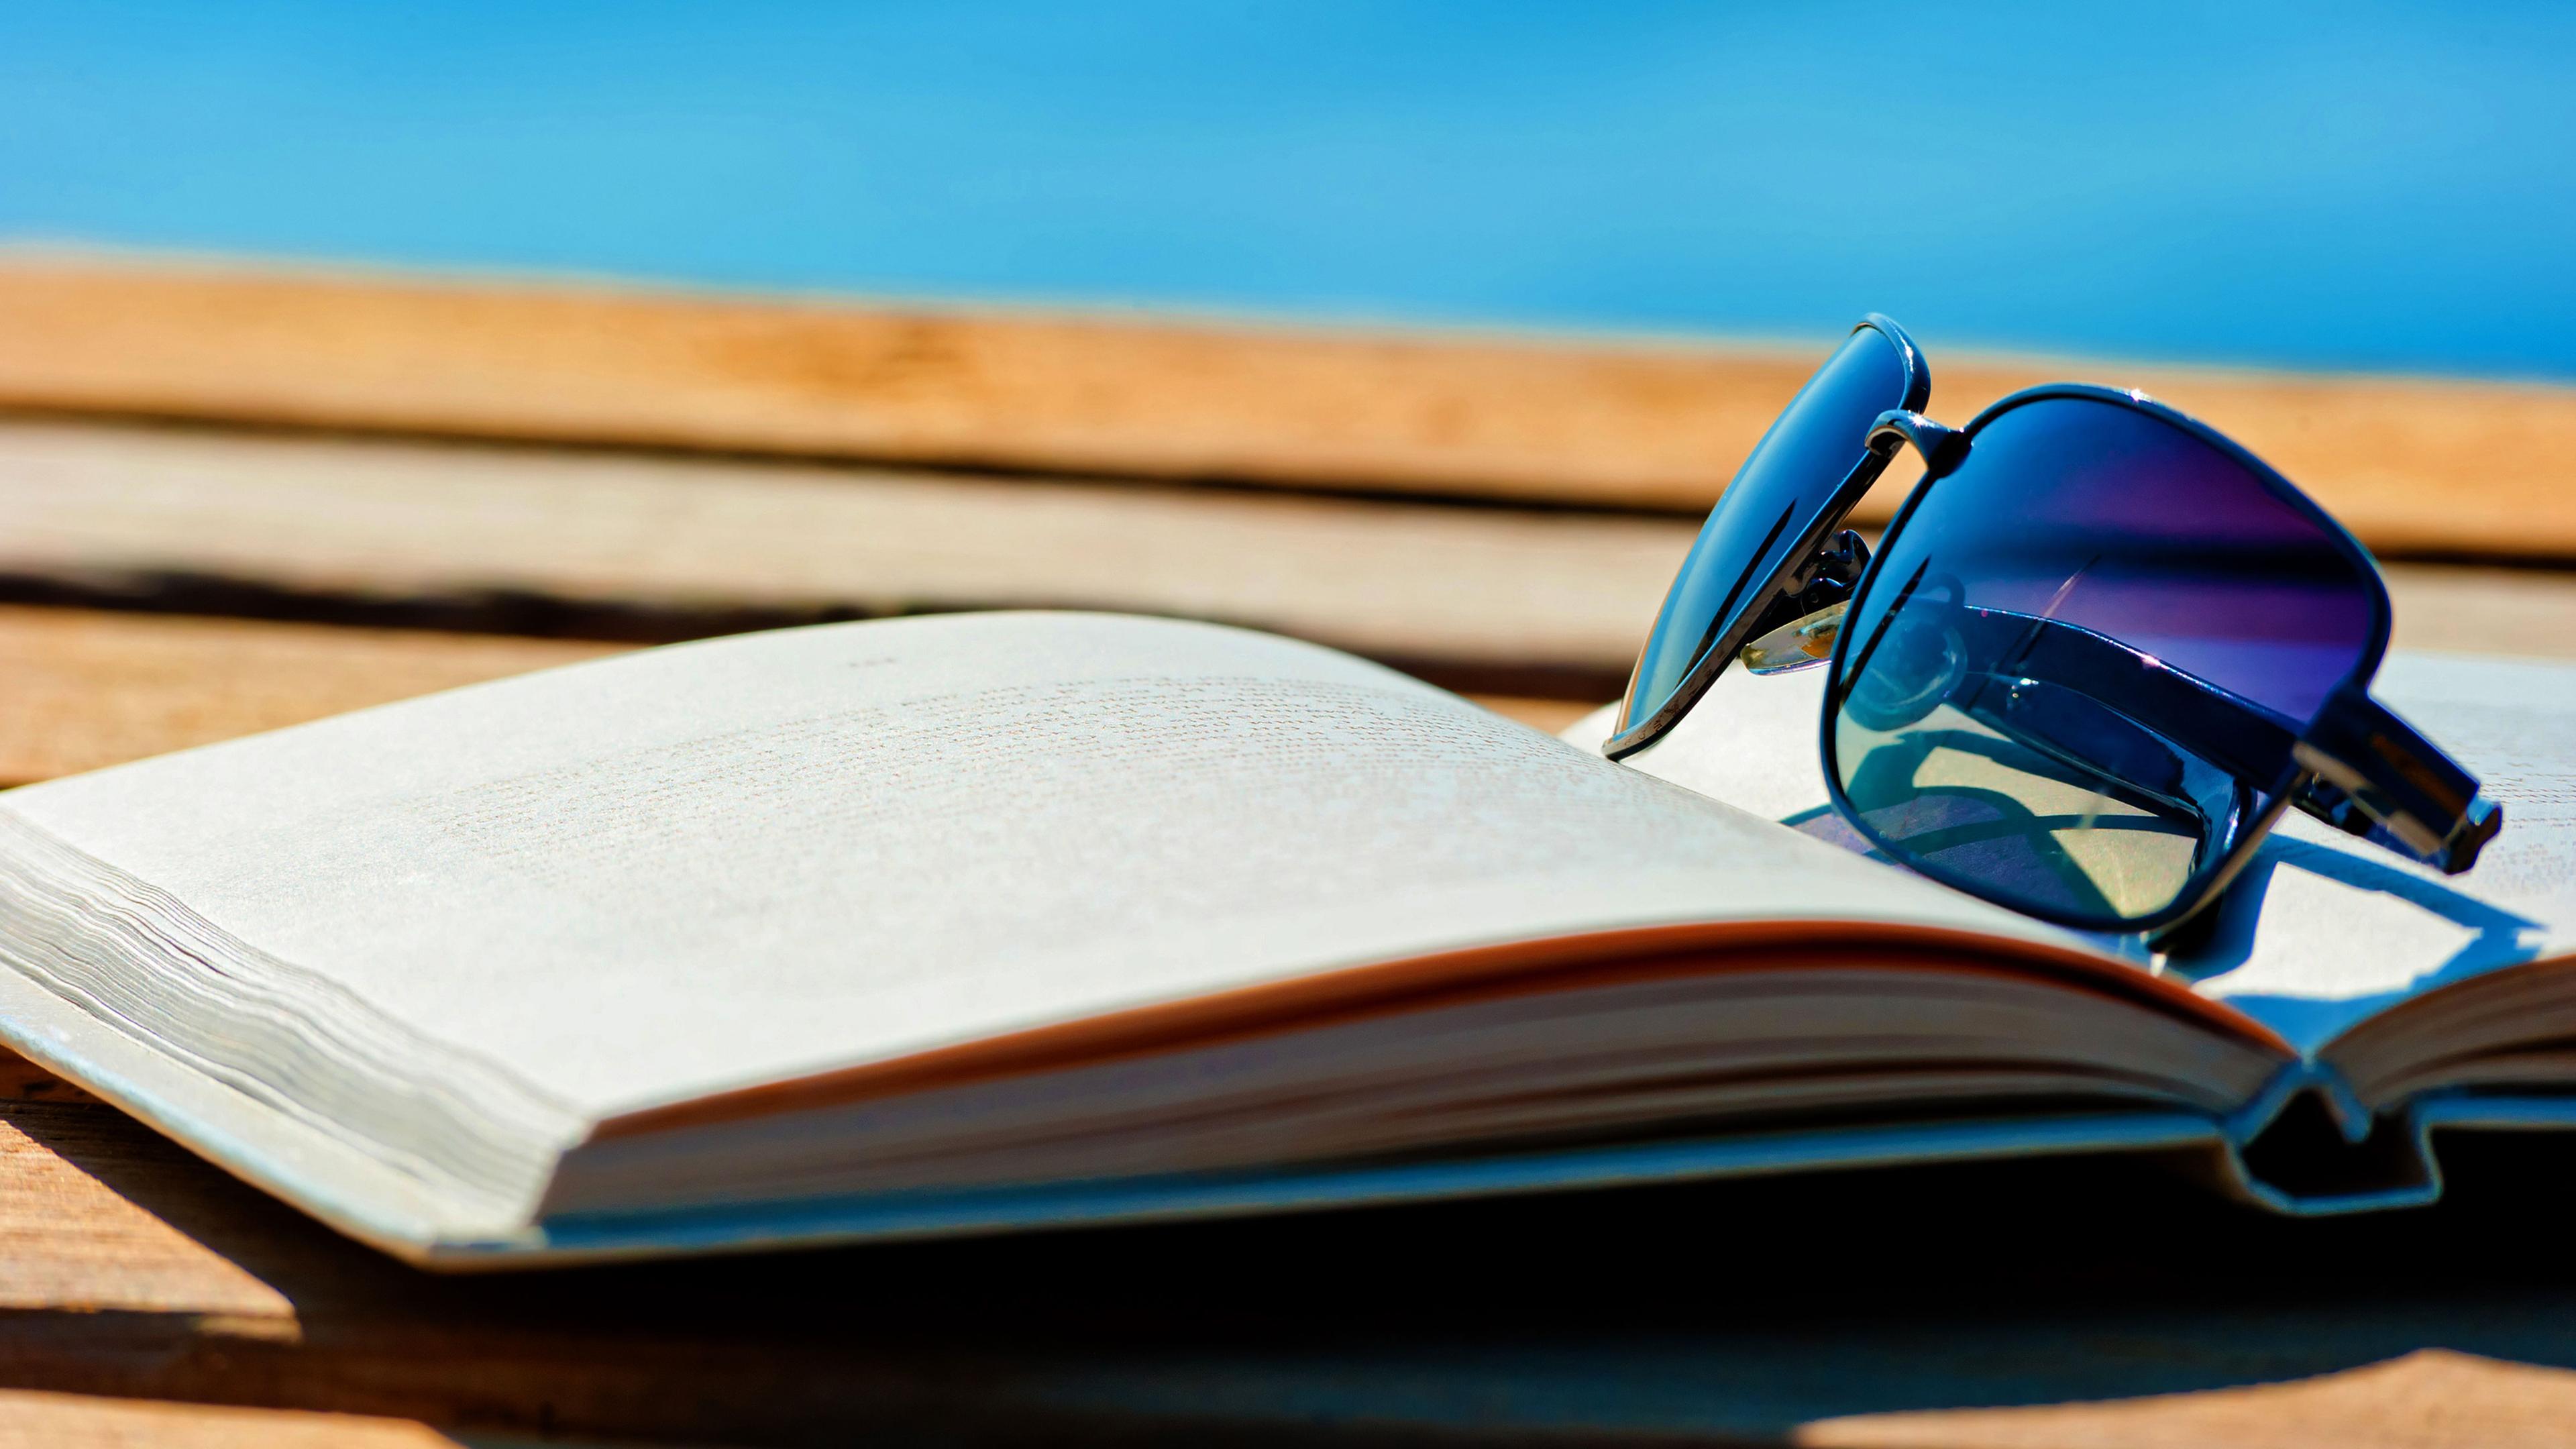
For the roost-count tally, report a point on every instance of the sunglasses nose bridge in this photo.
(1941, 447)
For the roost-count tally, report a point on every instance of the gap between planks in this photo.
(658, 548)
(83, 689)
(2427, 466)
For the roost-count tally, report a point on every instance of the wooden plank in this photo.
(71, 1241)
(1505, 601)
(34, 1420)
(23, 1081)
(2431, 1399)
(2412, 464)
(1542, 604)
(2426, 1400)
(1550, 715)
(84, 689)
(2525, 612)
(131, 1270)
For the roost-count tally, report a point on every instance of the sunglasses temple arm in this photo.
(2377, 778)
(2359, 767)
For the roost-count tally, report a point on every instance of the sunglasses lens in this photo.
(1775, 500)
(2076, 674)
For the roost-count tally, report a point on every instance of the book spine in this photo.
(2307, 1145)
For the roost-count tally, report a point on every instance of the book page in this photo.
(2322, 930)
(645, 878)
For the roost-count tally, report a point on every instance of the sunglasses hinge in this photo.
(1942, 448)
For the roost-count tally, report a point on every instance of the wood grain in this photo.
(23, 1081)
(68, 1240)
(2412, 464)
(84, 689)
(34, 1420)
(129, 1270)
(1539, 604)
(1509, 601)
(2429, 1399)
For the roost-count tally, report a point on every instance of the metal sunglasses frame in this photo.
(2356, 765)
(1818, 570)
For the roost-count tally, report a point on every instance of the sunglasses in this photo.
(2099, 652)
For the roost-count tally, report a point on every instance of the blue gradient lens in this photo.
(1770, 510)
(2076, 671)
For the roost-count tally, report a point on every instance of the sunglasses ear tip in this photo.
(2482, 822)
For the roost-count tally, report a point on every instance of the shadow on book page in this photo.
(2391, 920)
(2321, 932)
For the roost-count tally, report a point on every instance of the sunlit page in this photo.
(639, 879)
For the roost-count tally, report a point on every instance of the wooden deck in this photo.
(230, 501)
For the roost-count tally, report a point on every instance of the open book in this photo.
(956, 924)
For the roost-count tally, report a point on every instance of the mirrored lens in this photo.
(2080, 665)
(1773, 502)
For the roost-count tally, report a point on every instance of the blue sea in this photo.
(2346, 186)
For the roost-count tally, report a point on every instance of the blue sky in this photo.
(2353, 185)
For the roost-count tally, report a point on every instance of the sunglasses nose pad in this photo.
(1798, 644)
(1799, 630)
